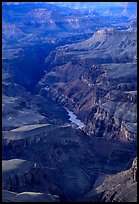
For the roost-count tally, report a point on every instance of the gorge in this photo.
(69, 102)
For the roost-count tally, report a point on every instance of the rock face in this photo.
(110, 115)
(121, 187)
(134, 169)
(108, 95)
(100, 49)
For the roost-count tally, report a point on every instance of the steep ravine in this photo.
(102, 95)
(104, 105)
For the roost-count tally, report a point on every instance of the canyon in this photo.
(69, 103)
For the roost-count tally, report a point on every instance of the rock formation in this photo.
(121, 187)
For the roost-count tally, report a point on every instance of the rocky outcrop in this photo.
(121, 187)
(101, 48)
(134, 169)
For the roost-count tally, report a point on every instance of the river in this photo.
(74, 120)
